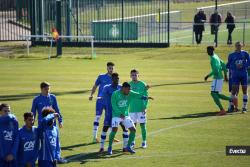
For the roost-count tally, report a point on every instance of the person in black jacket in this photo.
(230, 26)
(199, 20)
(215, 22)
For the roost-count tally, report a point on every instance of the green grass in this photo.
(183, 110)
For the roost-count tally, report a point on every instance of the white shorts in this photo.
(138, 117)
(127, 122)
(217, 85)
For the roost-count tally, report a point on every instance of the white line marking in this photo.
(151, 134)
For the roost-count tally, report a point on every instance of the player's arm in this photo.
(56, 108)
(46, 120)
(15, 146)
(34, 108)
(97, 83)
(224, 68)
(136, 95)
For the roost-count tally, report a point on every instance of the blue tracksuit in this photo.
(106, 95)
(28, 146)
(9, 139)
(238, 63)
(49, 137)
(101, 81)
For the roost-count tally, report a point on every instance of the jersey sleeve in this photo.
(44, 123)
(145, 93)
(223, 66)
(98, 81)
(16, 140)
(56, 108)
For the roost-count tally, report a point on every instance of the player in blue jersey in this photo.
(9, 139)
(101, 81)
(49, 137)
(106, 95)
(46, 99)
(238, 63)
(28, 142)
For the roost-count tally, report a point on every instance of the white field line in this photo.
(226, 4)
(151, 134)
(133, 17)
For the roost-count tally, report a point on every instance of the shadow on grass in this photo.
(32, 95)
(70, 148)
(181, 83)
(195, 115)
(93, 157)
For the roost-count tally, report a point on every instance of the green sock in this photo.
(217, 100)
(131, 138)
(143, 132)
(223, 97)
(111, 138)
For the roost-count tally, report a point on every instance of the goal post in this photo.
(51, 40)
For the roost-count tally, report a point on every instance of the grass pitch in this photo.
(182, 126)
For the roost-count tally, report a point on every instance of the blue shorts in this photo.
(108, 118)
(240, 79)
(8, 164)
(43, 163)
(100, 106)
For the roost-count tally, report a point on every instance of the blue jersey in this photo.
(106, 95)
(41, 101)
(49, 136)
(28, 146)
(238, 62)
(101, 81)
(9, 139)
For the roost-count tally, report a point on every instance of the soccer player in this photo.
(46, 99)
(29, 142)
(9, 139)
(137, 108)
(101, 81)
(238, 63)
(49, 136)
(120, 100)
(218, 67)
(106, 95)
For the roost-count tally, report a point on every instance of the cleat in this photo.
(62, 161)
(144, 145)
(101, 150)
(116, 140)
(130, 150)
(236, 110)
(133, 144)
(95, 140)
(222, 112)
(244, 110)
(110, 151)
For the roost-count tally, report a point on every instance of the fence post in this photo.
(58, 27)
(122, 21)
(68, 22)
(33, 20)
(193, 33)
(244, 32)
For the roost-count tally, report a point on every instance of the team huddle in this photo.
(125, 105)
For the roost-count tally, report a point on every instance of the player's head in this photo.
(45, 88)
(125, 88)
(28, 119)
(210, 50)
(4, 109)
(110, 67)
(46, 111)
(238, 46)
(134, 74)
(115, 78)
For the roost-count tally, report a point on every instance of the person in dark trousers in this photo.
(230, 26)
(199, 20)
(215, 22)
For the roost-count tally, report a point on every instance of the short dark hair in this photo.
(44, 85)
(134, 71)
(115, 75)
(47, 110)
(125, 85)
(3, 105)
(110, 64)
(27, 115)
(210, 48)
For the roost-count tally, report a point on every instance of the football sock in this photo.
(217, 100)
(131, 138)
(245, 100)
(143, 132)
(103, 138)
(223, 97)
(111, 138)
(96, 125)
(125, 139)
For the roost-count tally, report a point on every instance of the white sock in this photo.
(125, 139)
(96, 125)
(103, 138)
(245, 100)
